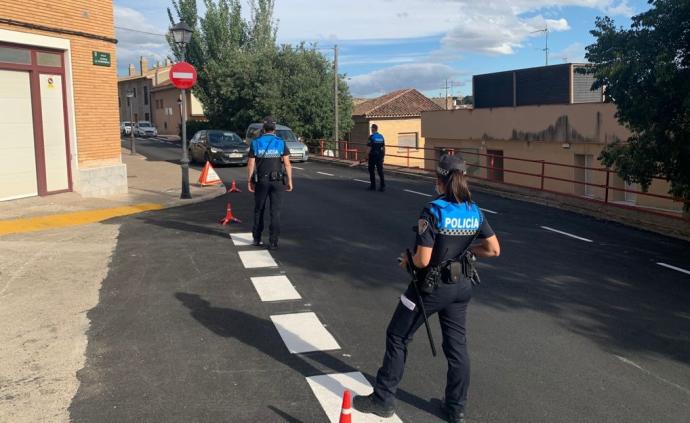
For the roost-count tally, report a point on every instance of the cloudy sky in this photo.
(392, 44)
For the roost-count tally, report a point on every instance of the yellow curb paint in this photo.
(40, 223)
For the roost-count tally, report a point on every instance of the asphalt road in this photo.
(564, 329)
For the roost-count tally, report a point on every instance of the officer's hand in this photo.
(250, 186)
(289, 186)
(403, 261)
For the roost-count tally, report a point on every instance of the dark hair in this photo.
(455, 187)
(375, 127)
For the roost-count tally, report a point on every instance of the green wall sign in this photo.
(101, 58)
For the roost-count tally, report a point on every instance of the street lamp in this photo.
(182, 35)
(132, 146)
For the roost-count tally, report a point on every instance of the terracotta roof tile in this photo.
(401, 103)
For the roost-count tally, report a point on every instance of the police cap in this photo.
(269, 123)
(448, 164)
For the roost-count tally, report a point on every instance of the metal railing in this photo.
(540, 175)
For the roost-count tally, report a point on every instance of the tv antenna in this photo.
(546, 42)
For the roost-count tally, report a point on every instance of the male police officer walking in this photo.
(445, 233)
(377, 150)
(268, 170)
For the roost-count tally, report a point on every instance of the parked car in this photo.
(298, 151)
(218, 147)
(126, 128)
(145, 129)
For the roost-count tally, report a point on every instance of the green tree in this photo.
(645, 70)
(243, 75)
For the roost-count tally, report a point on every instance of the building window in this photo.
(134, 90)
(49, 59)
(15, 55)
(146, 95)
(407, 141)
(471, 157)
(146, 117)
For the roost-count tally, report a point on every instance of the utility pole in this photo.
(335, 98)
(450, 85)
(546, 42)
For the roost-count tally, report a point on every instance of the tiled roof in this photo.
(401, 103)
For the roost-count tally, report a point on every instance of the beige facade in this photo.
(508, 144)
(140, 83)
(166, 111)
(62, 97)
(396, 132)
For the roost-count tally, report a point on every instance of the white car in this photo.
(145, 129)
(126, 128)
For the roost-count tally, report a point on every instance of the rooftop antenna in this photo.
(546, 42)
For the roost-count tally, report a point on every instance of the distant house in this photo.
(398, 116)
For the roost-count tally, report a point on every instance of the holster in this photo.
(255, 178)
(431, 279)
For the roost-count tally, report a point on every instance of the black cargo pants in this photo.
(272, 191)
(450, 301)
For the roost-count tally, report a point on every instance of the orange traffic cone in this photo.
(229, 218)
(346, 411)
(209, 176)
(233, 187)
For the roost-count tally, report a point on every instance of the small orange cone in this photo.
(209, 176)
(346, 411)
(233, 187)
(229, 218)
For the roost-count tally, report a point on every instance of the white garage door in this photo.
(18, 170)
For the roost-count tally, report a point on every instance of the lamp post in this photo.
(132, 146)
(182, 35)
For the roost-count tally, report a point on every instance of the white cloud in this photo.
(574, 53)
(132, 44)
(422, 76)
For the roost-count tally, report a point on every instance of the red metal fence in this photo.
(540, 175)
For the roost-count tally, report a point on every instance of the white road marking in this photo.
(275, 288)
(300, 168)
(257, 259)
(678, 269)
(362, 181)
(417, 192)
(242, 240)
(566, 234)
(647, 372)
(488, 211)
(324, 173)
(303, 332)
(328, 389)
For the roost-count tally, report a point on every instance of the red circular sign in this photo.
(183, 75)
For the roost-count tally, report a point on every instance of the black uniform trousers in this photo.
(376, 162)
(272, 191)
(450, 301)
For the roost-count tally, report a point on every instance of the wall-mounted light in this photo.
(566, 145)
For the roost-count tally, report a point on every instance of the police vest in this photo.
(456, 226)
(268, 146)
(376, 142)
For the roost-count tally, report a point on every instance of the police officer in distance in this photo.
(269, 169)
(445, 234)
(377, 151)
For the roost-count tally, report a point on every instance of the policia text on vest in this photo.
(269, 174)
(443, 269)
(377, 152)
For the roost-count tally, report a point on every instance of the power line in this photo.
(141, 32)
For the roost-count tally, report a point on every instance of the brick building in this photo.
(58, 99)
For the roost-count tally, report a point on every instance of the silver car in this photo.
(145, 129)
(298, 151)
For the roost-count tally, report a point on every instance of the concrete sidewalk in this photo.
(152, 185)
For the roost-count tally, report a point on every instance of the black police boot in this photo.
(273, 245)
(372, 188)
(257, 243)
(453, 416)
(372, 405)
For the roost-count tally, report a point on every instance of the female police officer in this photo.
(445, 233)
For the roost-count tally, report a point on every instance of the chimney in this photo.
(144, 65)
(168, 62)
(132, 70)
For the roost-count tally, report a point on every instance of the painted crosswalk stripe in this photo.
(488, 211)
(677, 269)
(257, 259)
(362, 181)
(300, 168)
(275, 288)
(242, 239)
(566, 234)
(417, 192)
(328, 389)
(303, 332)
(324, 173)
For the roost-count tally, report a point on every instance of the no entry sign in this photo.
(183, 75)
